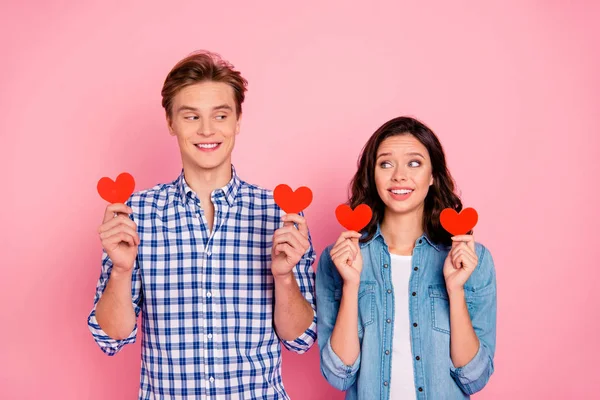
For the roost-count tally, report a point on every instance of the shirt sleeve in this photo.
(107, 344)
(305, 276)
(338, 374)
(473, 377)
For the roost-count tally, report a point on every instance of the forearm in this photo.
(114, 312)
(464, 343)
(293, 314)
(344, 338)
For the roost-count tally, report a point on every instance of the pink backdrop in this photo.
(511, 87)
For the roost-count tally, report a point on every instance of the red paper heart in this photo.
(292, 202)
(116, 191)
(458, 224)
(353, 220)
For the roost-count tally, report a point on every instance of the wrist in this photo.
(350, 287)
(121, 274)
(456, 294)
(284, 279)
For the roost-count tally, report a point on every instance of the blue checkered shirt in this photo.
(207, 299)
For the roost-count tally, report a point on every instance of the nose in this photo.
(399, 174)
(205, 128)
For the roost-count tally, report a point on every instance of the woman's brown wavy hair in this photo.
(441, 194)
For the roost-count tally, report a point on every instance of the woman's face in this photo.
(403, 174)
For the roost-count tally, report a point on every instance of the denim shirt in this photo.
(435, 375)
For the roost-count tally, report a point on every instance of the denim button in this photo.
(414, 293)
(389, 291)
(418, 358)
(387, 352)
(416, 268)
(415, 324)
(420, 389)
(388, 320)
(385, 383)
(385, 265)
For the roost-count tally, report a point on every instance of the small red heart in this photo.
(354, 220)
(292, 202)
(116, 191)
(458, 224)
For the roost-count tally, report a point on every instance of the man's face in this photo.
(204, 120)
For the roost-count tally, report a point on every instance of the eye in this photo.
(191, 117)
(221, 117)
(414, 163)
(385, 164)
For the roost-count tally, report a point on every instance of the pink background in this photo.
(511, 87)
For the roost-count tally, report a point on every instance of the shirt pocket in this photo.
(366, 305)
(440, 307)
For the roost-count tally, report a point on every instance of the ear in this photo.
(237, 124)
(431, 180)
(170, 126)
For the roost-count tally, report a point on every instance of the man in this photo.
(219, 280)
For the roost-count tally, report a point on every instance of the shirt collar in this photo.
(227, 192)
(420, 241)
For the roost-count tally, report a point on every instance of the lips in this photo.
(208, 146)
(400, 193)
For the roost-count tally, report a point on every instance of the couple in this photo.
(223, 276)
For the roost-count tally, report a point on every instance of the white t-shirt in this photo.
(402, 384)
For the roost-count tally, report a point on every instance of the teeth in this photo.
(402, 191)
(207, 145)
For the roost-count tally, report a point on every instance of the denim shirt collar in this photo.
(421, 241)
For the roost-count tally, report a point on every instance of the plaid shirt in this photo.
(207, 299)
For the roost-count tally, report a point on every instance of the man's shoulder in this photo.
(253, 192)
(157, 195)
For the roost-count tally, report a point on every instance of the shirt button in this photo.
(420, 241)
(387, 352)
(209, 294)
(385, 265)
(414, 293)
(385, 383)
(211, 379)
(388, 320)
(208, 253)
(418, 358)
(415, 324)
(389, 291)
(209, 336)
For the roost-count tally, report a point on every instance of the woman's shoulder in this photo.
(485, 273)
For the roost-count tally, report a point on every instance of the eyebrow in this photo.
(409, 154)
(217, 108)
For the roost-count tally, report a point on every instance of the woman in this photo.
(405, 310)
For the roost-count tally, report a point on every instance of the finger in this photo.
(292, 238)
(303, 238)
(111, 209)
(353, 246)
(343, 258)
(109, 236)
(114, 240)
(299, 220)
(346, 235)
(121, 219)
(346, 246)
(468, 239)
(456, 255)
(469, 261)
(286, 249)
(338, 249)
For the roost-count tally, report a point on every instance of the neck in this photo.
(401, 231)
(204, 181)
